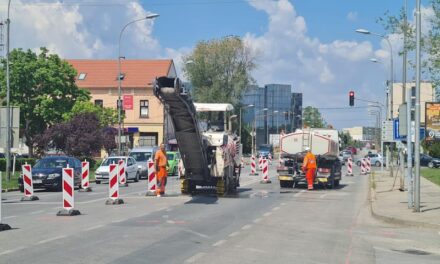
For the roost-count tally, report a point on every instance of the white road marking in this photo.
(196, 233)
(50, 239)
(299, 194)
(8, 217)
(118, 221)
(94, 227)
(170, 222)
(169, 209)
(11, 250)
(283, 203)
(234, 234)
(276, 208)
(37, 212)
(323, 195)
(246, 227)
(267, 214)
(195, 257)
(257, 220)
(219, 243)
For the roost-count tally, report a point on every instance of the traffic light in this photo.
(351, 97)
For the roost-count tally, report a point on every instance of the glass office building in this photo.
(284, 110)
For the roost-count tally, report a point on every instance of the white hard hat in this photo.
(306, 148)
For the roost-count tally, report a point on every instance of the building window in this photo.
(82, 76)
(147, 139)
(99, 102)
(144, 109)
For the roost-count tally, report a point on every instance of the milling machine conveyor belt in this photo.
(183, 115)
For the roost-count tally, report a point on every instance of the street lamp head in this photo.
(276, 111)
(375, 60)
(151, 16)
(363, 31)
(265, 109)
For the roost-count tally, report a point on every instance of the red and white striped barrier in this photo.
(68, 193)
(28, 186)
(121, 173)
(242, 162)
(265, 172)
(113, 185)
(180, 169)
(85, 180)
(270, 158)
(368, 165)
(253, 166)
(152, 181)
(363, 166)
(349, 167)
(260, 162)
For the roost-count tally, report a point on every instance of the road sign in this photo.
(387, 131)
(396, 134)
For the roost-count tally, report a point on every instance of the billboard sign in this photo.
(432, 121)
(127, 102)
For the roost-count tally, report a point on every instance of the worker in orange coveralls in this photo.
(160, 164)
(309, 167)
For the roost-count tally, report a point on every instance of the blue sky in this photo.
(309, 44)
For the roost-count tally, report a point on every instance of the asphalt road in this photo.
(260, 224)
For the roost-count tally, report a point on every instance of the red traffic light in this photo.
(351, 98)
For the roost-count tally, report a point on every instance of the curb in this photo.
(393, 220)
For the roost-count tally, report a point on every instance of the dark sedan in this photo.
(426, 160)
(47, 172)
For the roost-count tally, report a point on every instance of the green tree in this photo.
(312, 118)
(430, 42)
(43, 86)
(107, 116)
(219, 70)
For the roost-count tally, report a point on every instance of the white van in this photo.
(142, 155)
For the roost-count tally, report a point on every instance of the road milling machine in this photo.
(210, 151)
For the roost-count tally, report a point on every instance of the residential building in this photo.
(363, 133)
(427, 94)
(144, 114)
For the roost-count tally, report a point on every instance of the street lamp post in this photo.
(119, 105)
(364, 31)
(8, 101)
(377, 105)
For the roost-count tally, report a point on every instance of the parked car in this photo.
(141, 155)
(173, 158)
(2, 156)
(426, 160)
(376, 159)
(344, 156)
(47, 173)
(352, 149)
(131, 168)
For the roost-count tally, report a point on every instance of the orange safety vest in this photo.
(160, 158)
(309, 161)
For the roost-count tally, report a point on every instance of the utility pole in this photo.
(417, 112)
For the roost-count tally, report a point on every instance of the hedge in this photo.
(18, 163)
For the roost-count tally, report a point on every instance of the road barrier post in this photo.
(253, 166)
(28, 184)
(260, 162)
(85, 179)
(265, 172)
(113, 184)
(363, 167)
(68, 193)
(368, 167)
(121, 174)
(270, 159)
(152, 181)
(349, 167)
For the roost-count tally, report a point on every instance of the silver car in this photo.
(376, 159)
(131, 168)
(142, 155)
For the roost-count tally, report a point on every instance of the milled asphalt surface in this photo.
(260, 224)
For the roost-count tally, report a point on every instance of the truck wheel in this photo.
(336, 183)
(331, 185)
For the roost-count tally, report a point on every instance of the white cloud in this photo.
(323, 72)
(78, 31)
(352, 16)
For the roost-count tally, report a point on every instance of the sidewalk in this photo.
(391, 205)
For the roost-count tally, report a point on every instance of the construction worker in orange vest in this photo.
(160, 164)
(309, 167)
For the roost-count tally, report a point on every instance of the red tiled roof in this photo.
(137, 73)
